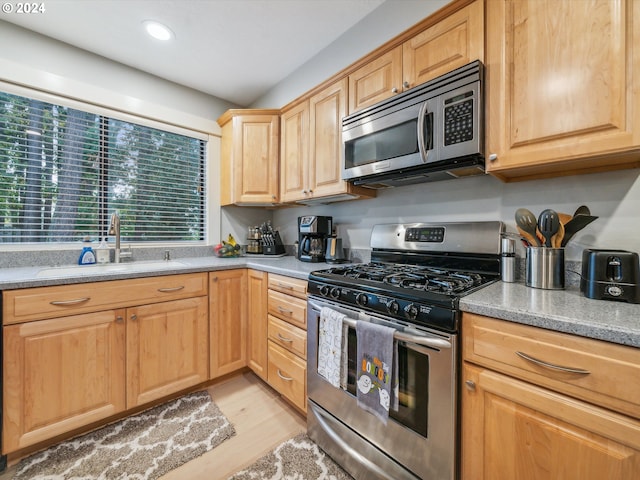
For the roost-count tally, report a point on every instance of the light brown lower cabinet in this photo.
(287, 338)
(228, 321)
(535, 423)
(75, 369)
(257, 322)
(167, 349)
(61, 374)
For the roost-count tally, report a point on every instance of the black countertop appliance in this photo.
(313, 231)
(610, 275)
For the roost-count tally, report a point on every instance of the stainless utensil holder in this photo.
(545, 268)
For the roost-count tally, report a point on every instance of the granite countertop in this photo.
(560, 310)
(27, 277)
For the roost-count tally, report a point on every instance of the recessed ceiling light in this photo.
(158, 30)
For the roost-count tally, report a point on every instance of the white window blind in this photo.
(63, 171)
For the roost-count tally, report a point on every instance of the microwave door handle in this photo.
(422, 118)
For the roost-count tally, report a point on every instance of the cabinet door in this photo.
(294, 156)
(257, 320)
(167, 349)
(326, 111)
(376, 81)
(449, 44)
(60, 375)
(256, 143)
(563, 83)
(228, 321)
(511, 429)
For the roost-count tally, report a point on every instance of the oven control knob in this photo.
(324, 290)
(393, 307)
(362, 299)
(335, 292)
(411, 311)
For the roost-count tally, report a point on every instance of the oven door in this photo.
(419, 440)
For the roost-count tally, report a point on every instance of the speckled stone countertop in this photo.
(560, 310)
(26, 277)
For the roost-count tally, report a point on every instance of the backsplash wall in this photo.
(613, 197)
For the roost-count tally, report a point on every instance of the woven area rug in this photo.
(142, 447)
(299, 458)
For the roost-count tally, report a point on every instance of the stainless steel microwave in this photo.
(432, 132)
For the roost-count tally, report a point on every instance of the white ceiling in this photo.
(236, 50)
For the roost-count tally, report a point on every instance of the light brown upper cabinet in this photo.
(311, 160)
(563, 82)
(249, 157)
(451, 43)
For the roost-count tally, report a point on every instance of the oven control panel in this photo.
(424, 234)
(420, 313)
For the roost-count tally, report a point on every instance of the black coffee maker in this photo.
(313, 231)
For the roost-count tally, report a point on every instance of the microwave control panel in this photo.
(458, 118)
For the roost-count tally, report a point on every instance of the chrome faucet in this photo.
(114, 229)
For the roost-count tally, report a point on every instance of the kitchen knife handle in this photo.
(552, 366)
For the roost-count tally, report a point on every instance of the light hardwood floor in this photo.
(262, 421)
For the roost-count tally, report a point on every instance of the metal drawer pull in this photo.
(284, 339)
(288, 287)
(171, 289)
(286, 379)
(284, 310)
(552, 366)
(70, 302)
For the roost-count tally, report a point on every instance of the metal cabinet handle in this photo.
(75, 301)
(394, 90)
(405, 84)
(284, 310)
(287, 287)
(286, 379)
(471, 385)
(285, 339)
(134, 317)
(493, 157)
(552, 366)
(170, 289)
(119, 319)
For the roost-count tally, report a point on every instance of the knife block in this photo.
(272, 244)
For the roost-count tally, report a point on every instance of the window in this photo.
(64, 171)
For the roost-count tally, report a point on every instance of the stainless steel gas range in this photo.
(417, 274)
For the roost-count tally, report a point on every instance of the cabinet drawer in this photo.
(288, 336)
(596, 371)
(288, 285)
(288, 308)
(288, 374)
(48, 302)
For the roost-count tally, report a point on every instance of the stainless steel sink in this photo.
(79, 270)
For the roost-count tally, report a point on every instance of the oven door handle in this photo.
(438, 343)
(432, 342)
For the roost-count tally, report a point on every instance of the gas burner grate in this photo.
(412, 277)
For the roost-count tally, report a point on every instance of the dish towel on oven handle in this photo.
(332, 347)
(376, 369)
